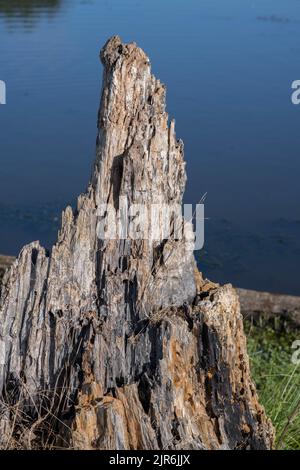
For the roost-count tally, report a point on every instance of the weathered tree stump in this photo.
(120, 344)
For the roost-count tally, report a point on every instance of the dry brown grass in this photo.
(35, 423)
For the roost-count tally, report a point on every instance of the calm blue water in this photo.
(228, 66)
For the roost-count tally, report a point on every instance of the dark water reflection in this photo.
(228, 66)
(26, 7)
(27, 12)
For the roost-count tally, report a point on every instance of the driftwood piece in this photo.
(120, 344)
(255, 305)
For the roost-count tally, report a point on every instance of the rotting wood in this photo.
(76, 335)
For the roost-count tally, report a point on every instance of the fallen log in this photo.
(257, 305)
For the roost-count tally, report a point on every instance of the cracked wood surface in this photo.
(128, 341)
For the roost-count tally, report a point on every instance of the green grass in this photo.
(277, 378)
